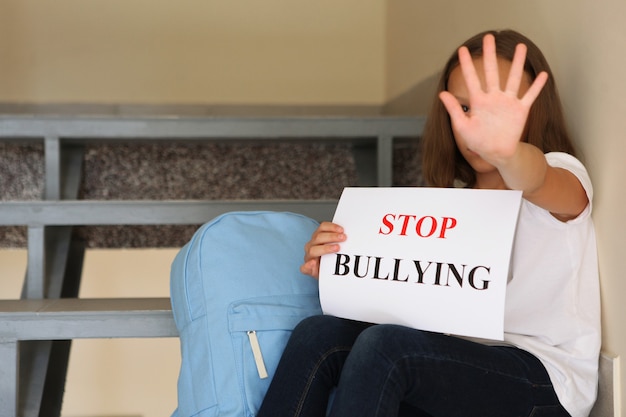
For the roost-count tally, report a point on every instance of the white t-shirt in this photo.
(553, 297)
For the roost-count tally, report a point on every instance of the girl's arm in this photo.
(555, 189)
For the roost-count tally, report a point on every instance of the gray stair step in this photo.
(76, 318)
(146, 212)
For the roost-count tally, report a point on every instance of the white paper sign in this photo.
(430, 258)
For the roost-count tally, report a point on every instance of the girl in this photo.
(496, 123)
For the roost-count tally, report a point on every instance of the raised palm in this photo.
(497, 114)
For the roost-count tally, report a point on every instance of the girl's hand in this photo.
(324, 240)
(490, 121)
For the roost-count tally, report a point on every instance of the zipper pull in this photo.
(258, 355)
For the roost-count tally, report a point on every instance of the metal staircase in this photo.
(36, 331)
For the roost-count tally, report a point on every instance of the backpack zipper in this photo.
(258, 355)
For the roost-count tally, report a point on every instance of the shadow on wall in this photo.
(417, 100)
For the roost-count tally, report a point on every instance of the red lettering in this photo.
(433, 226)
(425, 226)
(448, 223)
(407, 217)
(388, 224)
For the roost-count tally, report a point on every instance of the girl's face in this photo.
(458, 88)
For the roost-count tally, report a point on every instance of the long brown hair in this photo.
(442, 162)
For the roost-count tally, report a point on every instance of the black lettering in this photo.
(377, 269)
(357, 260)
(457, 276)
(339, 263)
(438, 274)
(396, 271)
(473, 273)
(420, 271)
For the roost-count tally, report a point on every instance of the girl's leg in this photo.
(391, 367)
(310, 367)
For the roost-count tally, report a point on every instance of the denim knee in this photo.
(326, 332)
(378, 334)
(316, 328)
(385, 336)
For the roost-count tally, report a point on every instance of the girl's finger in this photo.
(310, 268)
(324, 238)
(317, 251)
(516, 73)
(329, 227)
(490, 63)
(469, 72)
(452, 105)
(535, 89)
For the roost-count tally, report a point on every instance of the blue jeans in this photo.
(390, 371)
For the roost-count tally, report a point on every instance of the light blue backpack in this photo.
(237, 293)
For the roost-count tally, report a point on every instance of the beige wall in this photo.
(124, 377)
(191, 51)
(421, 36)
(116, 377)
(584, 41)
(276, 52)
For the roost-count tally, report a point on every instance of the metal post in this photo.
(52, 185)
(385, 161)
(9, 358)
(35, 283)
